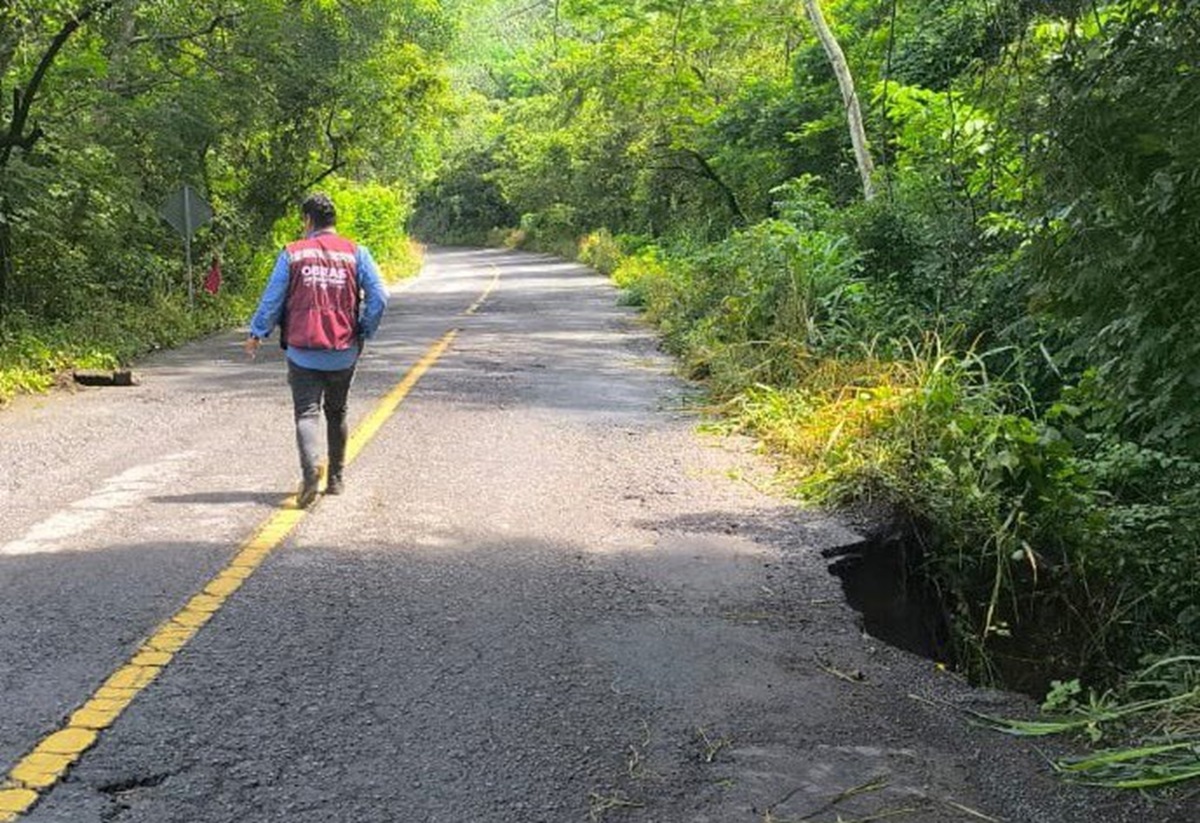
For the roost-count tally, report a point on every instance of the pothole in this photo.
(122, 792)
(130, 784)
(882, 581)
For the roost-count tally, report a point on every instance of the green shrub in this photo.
(31, 356)
(754, 308)
(375, 215)
(1118, 217)
(600, 251)
(552, 230)
(646, 278)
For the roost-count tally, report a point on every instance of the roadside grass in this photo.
(33, 357)
(958, 451)
(826, 431)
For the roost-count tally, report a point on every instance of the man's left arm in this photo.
(375, 294)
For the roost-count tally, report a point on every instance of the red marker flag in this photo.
(212, 281)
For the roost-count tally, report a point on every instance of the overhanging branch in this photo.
(16, 136)
(708, 172)
(221, 21)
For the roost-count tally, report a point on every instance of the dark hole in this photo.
(882, 581)
(102, 377)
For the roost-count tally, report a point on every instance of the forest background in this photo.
(996, 333)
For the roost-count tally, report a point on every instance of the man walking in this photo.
(327, 297)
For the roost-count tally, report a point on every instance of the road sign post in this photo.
(187, 211)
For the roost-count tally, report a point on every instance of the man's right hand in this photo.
(252, 344)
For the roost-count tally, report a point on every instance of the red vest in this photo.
(322, 302)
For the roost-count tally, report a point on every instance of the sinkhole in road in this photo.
(883, 581)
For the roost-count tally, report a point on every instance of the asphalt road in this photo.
(544, 597)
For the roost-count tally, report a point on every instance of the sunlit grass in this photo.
(832, 433)
(33, 357)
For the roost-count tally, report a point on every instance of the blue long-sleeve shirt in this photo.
(271, 308)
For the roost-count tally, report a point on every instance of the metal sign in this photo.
(187, 211)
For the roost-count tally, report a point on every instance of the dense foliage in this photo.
(1003, 342)
(109, 106)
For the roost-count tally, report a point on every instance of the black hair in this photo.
(319, 208)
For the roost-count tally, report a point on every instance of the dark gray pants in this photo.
(310, 390)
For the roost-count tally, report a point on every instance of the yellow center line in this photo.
(42, 768)
(478, 304)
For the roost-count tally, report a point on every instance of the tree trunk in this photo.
(6, 258)
(16, 136)
(23, 98)
(837, 58)
(4, 267)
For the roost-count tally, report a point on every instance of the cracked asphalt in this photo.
(544, 597)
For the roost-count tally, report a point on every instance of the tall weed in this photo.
(1003, 505)
(754, 308)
